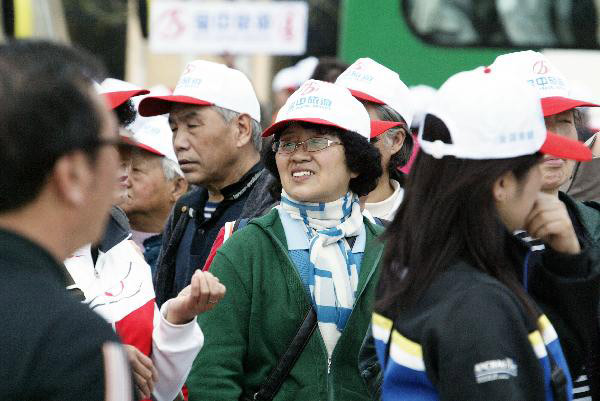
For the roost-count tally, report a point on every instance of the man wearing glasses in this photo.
(59, 161)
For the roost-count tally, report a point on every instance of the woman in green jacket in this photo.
(315, 250)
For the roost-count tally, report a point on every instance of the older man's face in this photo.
(148, 191)
(204, 144)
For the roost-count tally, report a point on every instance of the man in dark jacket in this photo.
(214, 115)
(58, 155)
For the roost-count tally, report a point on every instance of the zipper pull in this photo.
(328, 365)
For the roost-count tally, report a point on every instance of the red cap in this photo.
(378, 127)
(565, 148)
(557, 104)
(115, 99)
(157, 105)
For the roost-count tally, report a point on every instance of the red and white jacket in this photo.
(119, 288)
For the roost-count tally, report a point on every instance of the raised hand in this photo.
(550, 222)
(203, 293)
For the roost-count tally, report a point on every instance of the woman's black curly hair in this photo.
(126, 113)
(362, 158)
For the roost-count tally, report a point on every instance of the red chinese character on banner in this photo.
(170, 25)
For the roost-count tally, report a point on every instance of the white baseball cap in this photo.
(117, 92)
(371, 81)
(205, 83)
(552, 87)
(286, 78)
(494, 115)
(420, 96)
(154, 135)
(323, 103)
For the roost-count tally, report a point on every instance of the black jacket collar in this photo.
(234, 191)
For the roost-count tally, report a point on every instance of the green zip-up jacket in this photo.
(265, 304)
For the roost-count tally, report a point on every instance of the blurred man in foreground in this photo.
(58, 155)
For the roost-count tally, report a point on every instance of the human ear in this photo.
(179, 187)
(398, 140)
(244, 130)
(72, 176)
(504, 186)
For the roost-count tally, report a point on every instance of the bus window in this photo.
(505, 23)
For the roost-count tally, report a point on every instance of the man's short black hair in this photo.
(328, 69)
(47, 110)
(362, 158)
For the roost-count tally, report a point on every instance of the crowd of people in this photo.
(372, 241)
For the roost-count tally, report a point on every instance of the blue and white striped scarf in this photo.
(334, 273)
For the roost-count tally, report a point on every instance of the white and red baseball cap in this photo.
(552, 87)
(491, 114)
(205, 83)
(323, 103)
(286, 78)
(154, 135)
(373, 82)
(379, 127)
(117, 92)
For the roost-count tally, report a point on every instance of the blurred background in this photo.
(148, 42)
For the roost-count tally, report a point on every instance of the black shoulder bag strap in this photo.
(270, 386)
(273, 382)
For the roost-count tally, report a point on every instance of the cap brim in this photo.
(363, 96)
(378, 127)
(115, 99)
(149, 149)
(557, 104)
(281, 124)
(157, 105)
(565, 148)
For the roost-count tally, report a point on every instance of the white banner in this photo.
(236, 27)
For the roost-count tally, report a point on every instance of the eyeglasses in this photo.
(310, 145)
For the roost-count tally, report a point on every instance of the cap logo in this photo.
(188, 69)
(540, 67)
(317, 102)
(516, 137)
(309, 87)
(189, 82)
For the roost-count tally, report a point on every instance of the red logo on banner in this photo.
(170, 25)
(289, 27)
(540, 67)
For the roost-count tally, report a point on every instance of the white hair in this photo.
(229, 115)
(171, 169)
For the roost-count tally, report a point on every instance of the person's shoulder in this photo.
(190, 198)
(464, 288)
(587, 211)
(251, 235)
(73, 316)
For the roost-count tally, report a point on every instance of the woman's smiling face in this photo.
(320, 176)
